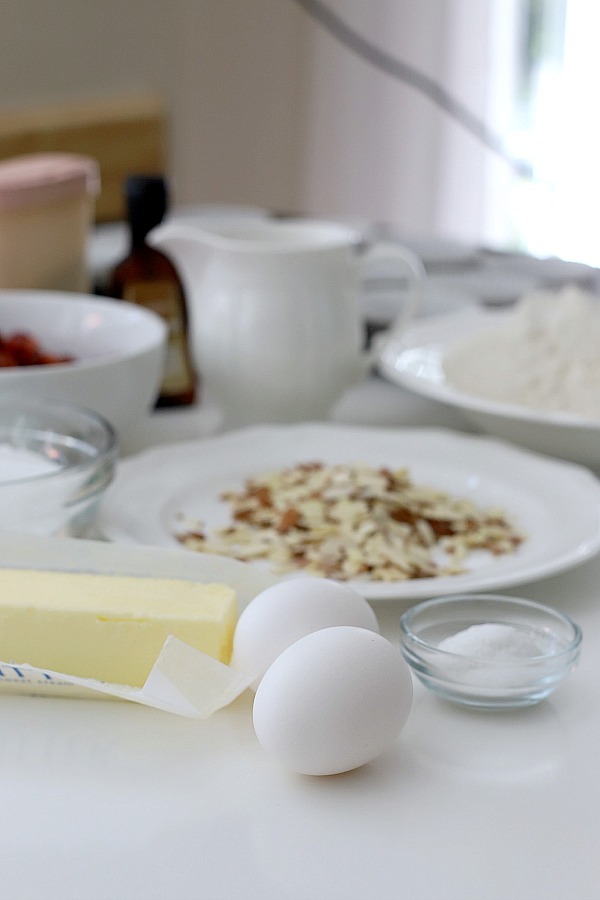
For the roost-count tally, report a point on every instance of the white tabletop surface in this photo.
(114, 801)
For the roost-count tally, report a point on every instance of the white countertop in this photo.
(114, 801)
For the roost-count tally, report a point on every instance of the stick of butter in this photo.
(109, 627)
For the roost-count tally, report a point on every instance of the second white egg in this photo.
(333, 701)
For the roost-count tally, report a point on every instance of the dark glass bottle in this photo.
(146, 276)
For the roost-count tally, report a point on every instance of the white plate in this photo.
(415, 360)
(556, 504)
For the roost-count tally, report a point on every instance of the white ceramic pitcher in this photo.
(275, 327)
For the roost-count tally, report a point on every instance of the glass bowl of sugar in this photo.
(489, 651)
(56, 461)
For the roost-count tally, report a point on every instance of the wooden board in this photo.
(126, 135)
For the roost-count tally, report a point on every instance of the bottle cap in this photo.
(147, 199)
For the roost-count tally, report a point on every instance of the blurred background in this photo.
(461, 119)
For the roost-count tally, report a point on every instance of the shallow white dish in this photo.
(415, 360)
(154, 489)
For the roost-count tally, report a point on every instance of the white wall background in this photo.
(267, 108)
(375, 146)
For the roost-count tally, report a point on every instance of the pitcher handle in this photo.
(408, 268)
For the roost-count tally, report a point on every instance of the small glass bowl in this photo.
(515, 654)
(56, 461)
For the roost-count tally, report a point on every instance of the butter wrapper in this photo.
(183, 680)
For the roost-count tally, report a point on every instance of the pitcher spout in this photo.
(185, 244)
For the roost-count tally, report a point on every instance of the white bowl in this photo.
(117, 348)
(417, 358)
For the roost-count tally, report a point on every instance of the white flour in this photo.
(546, 356)
(19, 462)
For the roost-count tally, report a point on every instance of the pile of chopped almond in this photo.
(353, 522)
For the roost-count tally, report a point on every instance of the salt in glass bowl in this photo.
(515, 652)
(56, 461)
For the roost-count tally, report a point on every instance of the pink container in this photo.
(47, 205)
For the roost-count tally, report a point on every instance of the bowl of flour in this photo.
(545, 357)
(529, 374)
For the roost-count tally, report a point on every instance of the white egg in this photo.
(333, 701)
(287, 611)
